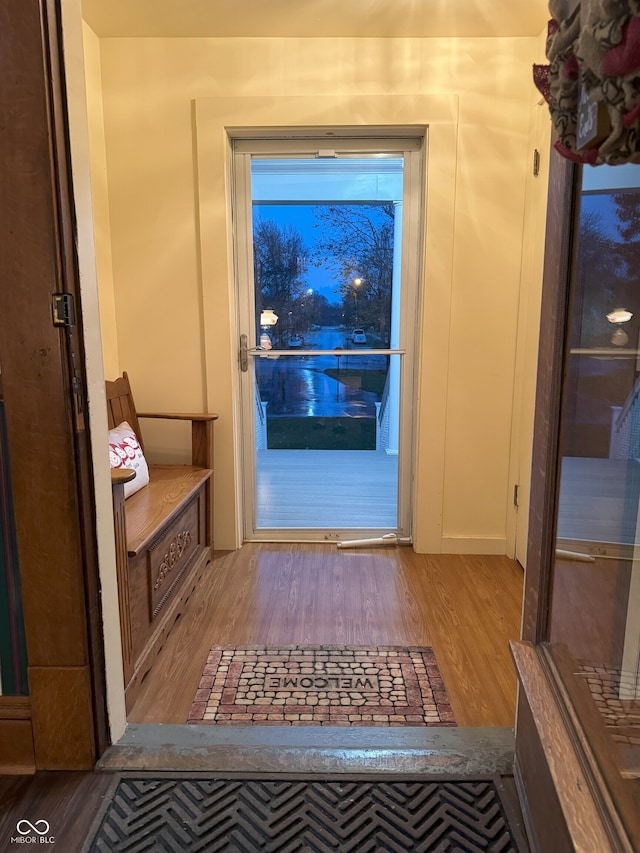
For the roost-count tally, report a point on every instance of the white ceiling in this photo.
(315, 18)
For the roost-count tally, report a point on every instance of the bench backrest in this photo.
(120, 405)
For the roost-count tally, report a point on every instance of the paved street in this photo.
(297, 386)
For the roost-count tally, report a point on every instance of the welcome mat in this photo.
(608, 685)
(321, 686)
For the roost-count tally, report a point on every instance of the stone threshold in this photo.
(438, 752)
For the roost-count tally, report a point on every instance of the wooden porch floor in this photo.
(336, 489)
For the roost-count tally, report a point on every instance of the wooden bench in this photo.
(164, 536)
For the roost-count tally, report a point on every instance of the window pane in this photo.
(595, 616)
(327, 235)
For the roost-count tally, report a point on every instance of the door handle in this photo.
(245, 349)
(244, 353)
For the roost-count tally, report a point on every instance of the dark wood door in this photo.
(43, 379)
(573, 793)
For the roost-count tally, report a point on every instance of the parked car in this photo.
(295, 341)
(358, 336)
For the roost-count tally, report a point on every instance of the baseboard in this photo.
(17, 754)
(529, 825)
(490, 545)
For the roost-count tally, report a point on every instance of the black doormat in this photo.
(346, 815)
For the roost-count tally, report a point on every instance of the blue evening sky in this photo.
(602, 205)
(302, 217)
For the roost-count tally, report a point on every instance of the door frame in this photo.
(62, 724)
(570, 788)
(215, 121)
(528, 331)
(306, 143)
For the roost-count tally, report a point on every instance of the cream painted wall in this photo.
(101, 223)
(148, 89)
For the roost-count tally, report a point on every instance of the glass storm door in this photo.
(327, 268)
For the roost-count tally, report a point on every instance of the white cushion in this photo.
(125, 452)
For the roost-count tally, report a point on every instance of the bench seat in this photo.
(161, 502)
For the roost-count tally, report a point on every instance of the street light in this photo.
(356, 283)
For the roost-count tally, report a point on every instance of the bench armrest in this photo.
(201, 434)
(120, 476)
(178, 416)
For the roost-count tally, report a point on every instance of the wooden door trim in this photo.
(41, 365)
(553, 314)
(76, 374)
(17, 754)
(587, 811)
(567, 779)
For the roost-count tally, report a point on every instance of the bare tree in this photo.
(356, 240)
(600, 273)
(628, 226)
(279, 270)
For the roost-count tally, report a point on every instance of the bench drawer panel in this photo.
(170, 555)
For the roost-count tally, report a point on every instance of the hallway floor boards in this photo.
(466, 607)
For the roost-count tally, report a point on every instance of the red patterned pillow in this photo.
(125, 452)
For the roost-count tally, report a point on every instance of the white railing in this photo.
(261, 419)
(382, 418)
(625, 427)
(383, 413)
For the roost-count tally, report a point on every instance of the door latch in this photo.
(244, 353)
(63, 309)
(245, 350)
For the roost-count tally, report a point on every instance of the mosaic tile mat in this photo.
(321, 686)
(620, 716)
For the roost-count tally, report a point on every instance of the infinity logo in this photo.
(32, 827)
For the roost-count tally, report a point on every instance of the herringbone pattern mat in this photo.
(342, 816)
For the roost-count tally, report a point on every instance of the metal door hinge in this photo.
(63, 312)
(63, 309)
(536, 162)
(516, 495)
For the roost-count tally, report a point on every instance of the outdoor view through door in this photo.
(325, 352)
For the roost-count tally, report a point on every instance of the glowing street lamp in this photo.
(356, 284)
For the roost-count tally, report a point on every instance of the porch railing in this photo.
(383, 412)
(382, 418)
(625, 427)
(261, 419)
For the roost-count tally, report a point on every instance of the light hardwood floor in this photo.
(466, 607)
